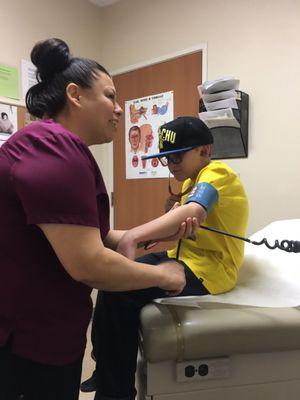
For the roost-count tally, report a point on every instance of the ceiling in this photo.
(103, 3)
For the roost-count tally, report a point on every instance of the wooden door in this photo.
(137, 201)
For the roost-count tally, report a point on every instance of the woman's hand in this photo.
(127, 246)
(174, 277)
(186, 230)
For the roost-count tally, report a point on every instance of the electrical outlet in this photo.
(211, 368)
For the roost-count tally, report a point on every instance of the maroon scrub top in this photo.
(47, 175)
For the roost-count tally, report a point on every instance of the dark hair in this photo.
(2, 115)
(56, 68)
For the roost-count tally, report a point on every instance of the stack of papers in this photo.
(219, 97)
(219, 85)
(214, 119)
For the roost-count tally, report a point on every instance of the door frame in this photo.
(190, 50)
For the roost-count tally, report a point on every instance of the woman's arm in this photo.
(83, 255)
(112, 239)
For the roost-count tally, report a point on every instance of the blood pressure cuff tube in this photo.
(204, 194)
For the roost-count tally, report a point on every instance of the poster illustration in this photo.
(143, 117)
(8, 122)
(28, 76)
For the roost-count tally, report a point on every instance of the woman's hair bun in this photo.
(50, 56)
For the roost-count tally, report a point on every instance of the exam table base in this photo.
(260, 376)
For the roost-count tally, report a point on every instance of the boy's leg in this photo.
(118, 316)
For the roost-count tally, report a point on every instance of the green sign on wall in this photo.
(9, 82)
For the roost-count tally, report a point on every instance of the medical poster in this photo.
(8, 121)
(28, 76)
(143, 117)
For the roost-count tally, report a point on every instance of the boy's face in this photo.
(191, 163)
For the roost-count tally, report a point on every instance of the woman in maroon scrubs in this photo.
(55, 241)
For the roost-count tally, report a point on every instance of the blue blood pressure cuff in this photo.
(204, 194)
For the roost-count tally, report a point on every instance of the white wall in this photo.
(256, 41)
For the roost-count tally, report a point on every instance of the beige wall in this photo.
(256, 41)
(23, 23)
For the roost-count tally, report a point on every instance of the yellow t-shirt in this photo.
(213, 257)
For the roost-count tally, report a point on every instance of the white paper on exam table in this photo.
(267, 278)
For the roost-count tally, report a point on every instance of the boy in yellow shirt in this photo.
(211, 192)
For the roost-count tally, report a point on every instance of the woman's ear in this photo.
(73, 94)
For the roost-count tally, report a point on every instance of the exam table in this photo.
(243, 345)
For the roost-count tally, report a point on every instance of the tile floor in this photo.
(86, 396)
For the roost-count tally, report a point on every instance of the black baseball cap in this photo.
(181, 134)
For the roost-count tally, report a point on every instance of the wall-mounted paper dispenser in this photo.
(229, 128)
